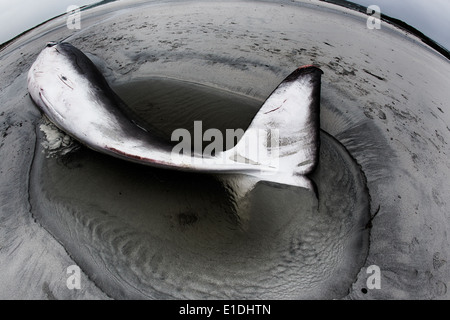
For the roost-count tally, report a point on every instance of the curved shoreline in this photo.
(346, 4)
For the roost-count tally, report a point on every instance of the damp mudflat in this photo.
(141, 232)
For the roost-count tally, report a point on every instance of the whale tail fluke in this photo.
(283, 137)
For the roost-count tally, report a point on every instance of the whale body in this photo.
(70, 90)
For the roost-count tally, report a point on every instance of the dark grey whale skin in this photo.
(103, 92)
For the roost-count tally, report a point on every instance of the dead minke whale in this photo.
(70, 90)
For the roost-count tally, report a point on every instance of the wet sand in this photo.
(139, 232)
(149, 233)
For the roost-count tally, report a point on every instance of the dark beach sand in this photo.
(143, 233)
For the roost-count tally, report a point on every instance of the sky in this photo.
(431, 17)
(17, 16)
